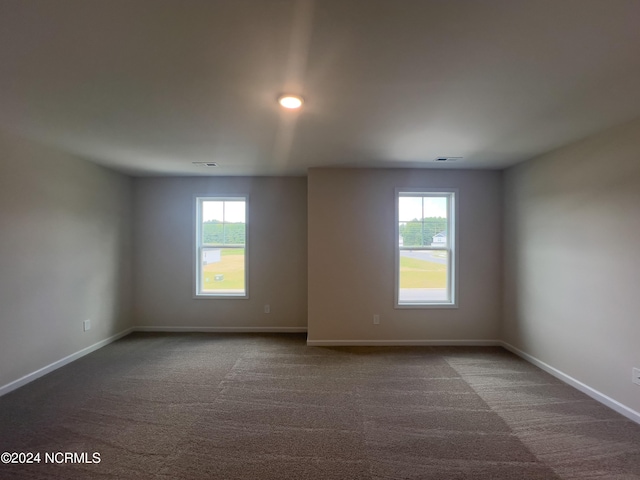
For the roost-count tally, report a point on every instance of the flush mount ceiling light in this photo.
(291, 102)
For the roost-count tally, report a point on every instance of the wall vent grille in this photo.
(447, 159)
(205, 164)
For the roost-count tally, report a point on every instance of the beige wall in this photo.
(65, 243)
(572, 258)
(164, 233)
(351, 256)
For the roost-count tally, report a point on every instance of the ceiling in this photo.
(147, 87)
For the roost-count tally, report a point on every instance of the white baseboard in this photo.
(9, 387)
(222, 329)
(403, 343)
(584, 388)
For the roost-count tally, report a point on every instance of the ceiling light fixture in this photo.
(290, 102)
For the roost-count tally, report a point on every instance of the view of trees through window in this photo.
(215, 232)
(420, 232)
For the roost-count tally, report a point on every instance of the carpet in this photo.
(266, 406)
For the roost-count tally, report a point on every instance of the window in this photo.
(425, 248)
(221, 246)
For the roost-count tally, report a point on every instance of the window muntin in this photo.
(425, 253)
(221, 246)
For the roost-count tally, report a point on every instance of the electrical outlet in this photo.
(376, 319)
(267, 309)
(636, 376)
(86, 325)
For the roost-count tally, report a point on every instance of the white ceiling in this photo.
(149, 86)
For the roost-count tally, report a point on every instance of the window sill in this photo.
(419, 306)
(205, 296)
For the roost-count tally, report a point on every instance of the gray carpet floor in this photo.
(260, 406)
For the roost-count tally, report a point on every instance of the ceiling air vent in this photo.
(447, 159)
(205, 164)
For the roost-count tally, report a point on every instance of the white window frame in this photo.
(452, 248)
(198, 246)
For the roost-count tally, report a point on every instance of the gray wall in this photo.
(164, 270)
(572, 262)
(65, 245)
(352, 260)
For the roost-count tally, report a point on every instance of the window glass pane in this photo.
(212, 218)
(435, 222)
(223, 222)
(409, 208)
(235, 218)
(423, 276)
(423, 221)
(223, 271)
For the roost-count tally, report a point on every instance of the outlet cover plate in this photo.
(636, 376)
